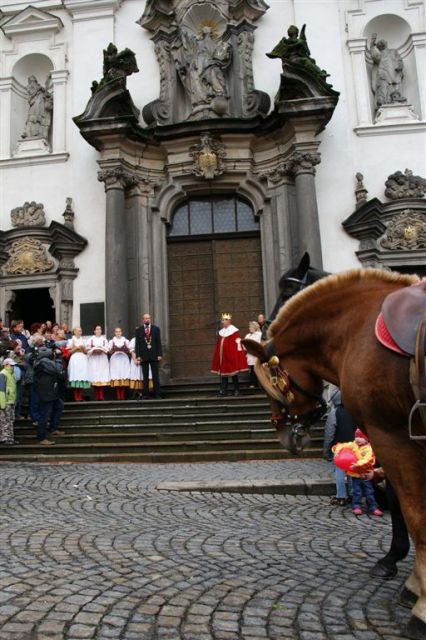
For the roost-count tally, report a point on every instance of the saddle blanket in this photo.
(384, 337)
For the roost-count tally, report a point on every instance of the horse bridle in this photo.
(285, 384)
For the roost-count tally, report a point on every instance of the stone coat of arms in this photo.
(27, 256)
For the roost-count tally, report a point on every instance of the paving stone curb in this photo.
(309, 487)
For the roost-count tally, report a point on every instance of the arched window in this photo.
(213, 215)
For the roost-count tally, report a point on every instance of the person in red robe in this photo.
(229, 357)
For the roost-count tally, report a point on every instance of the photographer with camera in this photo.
(49, 383)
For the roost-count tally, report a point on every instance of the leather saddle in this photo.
(402, 312)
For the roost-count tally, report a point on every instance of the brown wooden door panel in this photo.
(207, 278)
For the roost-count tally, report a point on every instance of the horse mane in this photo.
(336, 282)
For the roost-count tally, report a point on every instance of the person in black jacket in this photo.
(49, 380)
(339, 428)
(149, 353)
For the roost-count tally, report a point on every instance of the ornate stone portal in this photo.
(35, 256)
(392, 234)
(209, 133)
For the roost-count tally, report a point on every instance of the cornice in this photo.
(82, 10)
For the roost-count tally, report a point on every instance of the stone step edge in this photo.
(309, 487)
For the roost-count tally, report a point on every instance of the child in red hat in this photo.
(362, 487)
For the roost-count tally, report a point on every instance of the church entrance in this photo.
(31, 305)
(211, 272)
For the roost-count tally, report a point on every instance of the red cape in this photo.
(229, 358)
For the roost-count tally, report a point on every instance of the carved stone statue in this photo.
(201, 62)
(404, 185)
(294, 50)
(31, 214)
(40, 101)
(117, 66)
(387, 75)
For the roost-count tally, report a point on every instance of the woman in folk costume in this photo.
(229, 357)
(119, 363)
(97, 352)
(78, 368)
(136, 382)
(254, 334)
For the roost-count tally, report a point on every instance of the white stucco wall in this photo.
(343, 151)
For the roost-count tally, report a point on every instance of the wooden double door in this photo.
(207, 278)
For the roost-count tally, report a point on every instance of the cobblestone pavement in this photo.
(96, 551)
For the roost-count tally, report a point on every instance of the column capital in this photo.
(117, 178)
(304, 162)
(277, 174)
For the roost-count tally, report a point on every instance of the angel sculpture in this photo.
(201, 62)
(294, 50)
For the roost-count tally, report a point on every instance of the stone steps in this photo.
(190, 425)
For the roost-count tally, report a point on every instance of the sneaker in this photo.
(9, 443)
(57, 432)
(357, 511)
(46, 442)
(376, 512)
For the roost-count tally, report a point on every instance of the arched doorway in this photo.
(214, 265)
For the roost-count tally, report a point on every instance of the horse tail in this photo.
(263, 376)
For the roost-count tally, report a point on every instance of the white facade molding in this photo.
(390, 129)
(31, 21)
(82, 10)
(30, 161)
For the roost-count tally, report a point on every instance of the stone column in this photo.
(276, 223)
(116, 275)
(59, 82)
(139, 252)
(302, 167)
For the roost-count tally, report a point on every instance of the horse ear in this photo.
(255, 349)
(305, 263)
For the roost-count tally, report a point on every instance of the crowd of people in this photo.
(38, 364)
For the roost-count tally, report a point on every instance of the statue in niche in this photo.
(294, 50)
(201, 62)
(40, 100)
(386, 79)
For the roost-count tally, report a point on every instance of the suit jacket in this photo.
(141, 348)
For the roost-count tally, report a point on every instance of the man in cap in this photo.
(7, 403)
(229, 358)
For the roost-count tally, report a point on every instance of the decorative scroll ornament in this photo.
(31, 214)
(407, 230)
(26, 256)
(208, 157)
(404, 185)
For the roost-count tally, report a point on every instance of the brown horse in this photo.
(326, 332)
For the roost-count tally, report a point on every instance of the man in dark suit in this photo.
(149, 352)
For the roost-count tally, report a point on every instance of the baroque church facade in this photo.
(177, 156)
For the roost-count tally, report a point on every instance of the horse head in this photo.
(294, 408)
(291, 282)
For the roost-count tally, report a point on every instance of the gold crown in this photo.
(226, 316)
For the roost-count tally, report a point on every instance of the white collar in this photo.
(228, 331)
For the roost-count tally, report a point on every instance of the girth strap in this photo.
(419, 382)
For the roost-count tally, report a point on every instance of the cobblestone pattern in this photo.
(95, 551)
